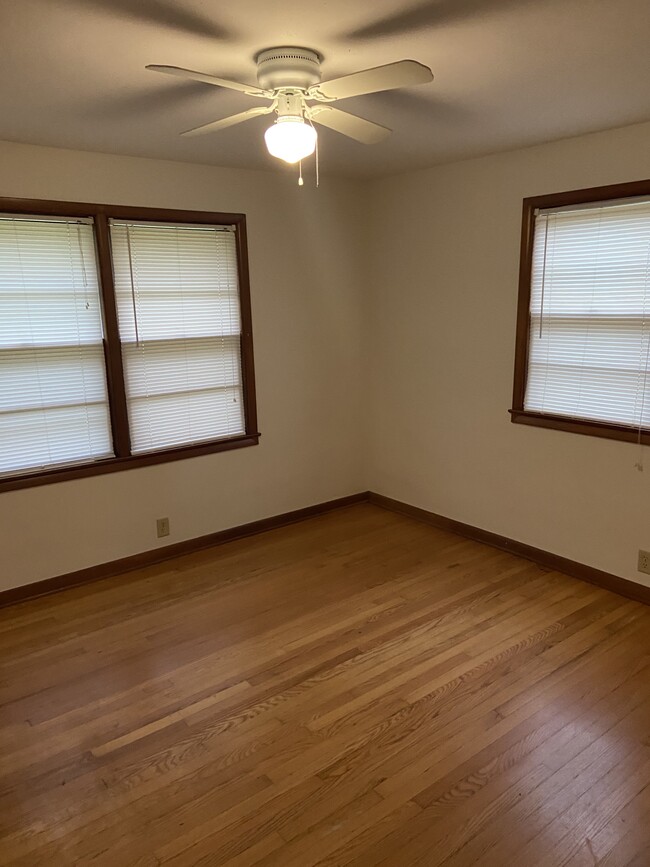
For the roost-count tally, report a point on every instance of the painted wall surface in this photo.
(443, 269)
(306, 268)
(384, 328)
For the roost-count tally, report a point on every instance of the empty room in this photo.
(324, 433)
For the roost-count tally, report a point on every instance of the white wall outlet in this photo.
(644, 562)
(162, 528)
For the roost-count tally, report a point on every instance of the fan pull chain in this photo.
(300, 180)
(317, 167)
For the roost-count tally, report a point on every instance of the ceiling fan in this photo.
(290, 78)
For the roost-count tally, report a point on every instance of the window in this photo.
(583, 335)
(53, 401)
(178, 312)
(125, 338)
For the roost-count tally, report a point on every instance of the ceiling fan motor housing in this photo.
(288, 67)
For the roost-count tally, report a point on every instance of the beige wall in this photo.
(384, 324)
(443, 281)
(306, 270)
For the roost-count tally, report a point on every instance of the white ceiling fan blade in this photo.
(403, 73)
(249, 89)
(225, 122)
(350, 125)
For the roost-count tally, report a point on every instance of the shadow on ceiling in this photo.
(150, 101)
(430, 107)
(165, 13)
(433, 14)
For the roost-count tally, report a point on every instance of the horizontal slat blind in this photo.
(177, 296)
(589, 345)
(53, 399)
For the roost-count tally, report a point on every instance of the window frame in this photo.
(101, 214)
(519, 415)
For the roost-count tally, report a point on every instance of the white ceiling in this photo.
(507, 73)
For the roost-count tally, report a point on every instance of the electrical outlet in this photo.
(162, 528)
(644, 562)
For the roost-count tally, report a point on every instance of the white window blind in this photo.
(177, 296)
(53, 399)
(589, 344)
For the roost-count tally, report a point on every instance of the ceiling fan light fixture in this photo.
(290, 139)
(289, 78)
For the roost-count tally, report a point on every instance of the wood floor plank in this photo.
(358, 689)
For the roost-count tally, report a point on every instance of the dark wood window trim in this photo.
(123, 459)
(518, 414)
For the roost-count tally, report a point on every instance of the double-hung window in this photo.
(583, 339)
(125, 338)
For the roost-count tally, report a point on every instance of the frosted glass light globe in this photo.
(290, 139)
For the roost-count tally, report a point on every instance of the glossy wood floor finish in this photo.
(358, 689)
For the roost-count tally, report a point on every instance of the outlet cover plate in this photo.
(644, 562)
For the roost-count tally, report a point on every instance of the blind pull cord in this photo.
(30, 325)
(639, 463)
(541, 308)
(84, 276)
(83, 266)
(135, 311)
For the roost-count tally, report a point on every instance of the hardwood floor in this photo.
(358, 689)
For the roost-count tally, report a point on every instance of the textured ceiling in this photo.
(507, 73)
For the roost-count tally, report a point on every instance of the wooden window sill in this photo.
(570, 424)
(115, 465)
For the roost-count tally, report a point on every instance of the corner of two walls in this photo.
(384, 325)
(443, 256)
